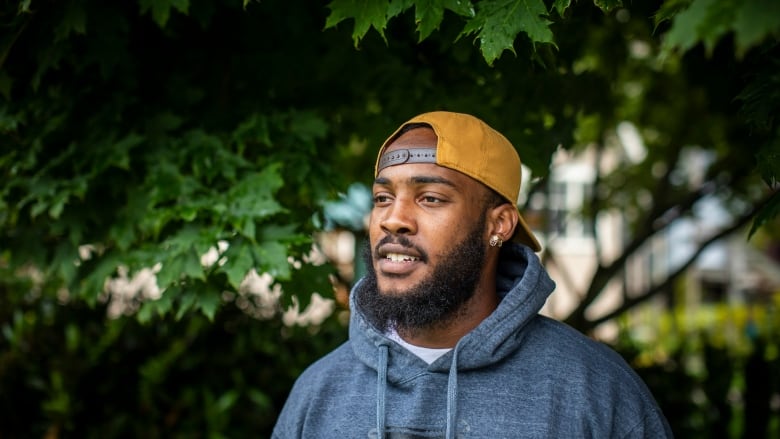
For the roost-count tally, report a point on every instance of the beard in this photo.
(434, 301)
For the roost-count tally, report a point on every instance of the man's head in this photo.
(468, 145)
(445, 184)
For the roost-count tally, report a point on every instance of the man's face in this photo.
(427, 236)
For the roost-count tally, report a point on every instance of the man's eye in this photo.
(431, 199)
(380, 199)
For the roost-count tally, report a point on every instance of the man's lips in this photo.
(399, 253)
(397, 259)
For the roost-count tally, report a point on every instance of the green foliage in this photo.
(713, 370)
(707, 22)
(760, 106)
(68, 371)
(495, 23)
(140, 172)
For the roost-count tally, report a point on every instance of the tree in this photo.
(153, 170)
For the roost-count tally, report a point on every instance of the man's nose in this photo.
(399, 218)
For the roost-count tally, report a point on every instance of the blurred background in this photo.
(185, 186)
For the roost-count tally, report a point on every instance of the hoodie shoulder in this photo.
(593, 373)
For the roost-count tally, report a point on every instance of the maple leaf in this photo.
(367, 14)
(429, 14)
(754, 21)
(707, 21)
(498, 22)
(161, 9)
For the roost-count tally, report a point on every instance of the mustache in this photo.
(402, 241)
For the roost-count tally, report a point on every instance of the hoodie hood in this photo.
(523, 287)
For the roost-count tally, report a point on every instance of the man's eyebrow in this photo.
(423, 179)
(428, 179)
(382, 181)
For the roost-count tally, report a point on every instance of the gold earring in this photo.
(495, 240)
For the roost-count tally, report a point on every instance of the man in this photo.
(445, 340)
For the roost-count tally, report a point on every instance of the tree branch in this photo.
(631, 302)
(663, 217)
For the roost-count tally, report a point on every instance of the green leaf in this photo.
(120, 150)
(187, 300)
(669, 9)
(94, 283)
(253, 196)
(227, 400)
(24, 6)
(64, 263)
(704, 21)
(768, 159)
(253, 129)
(308, 126)
(180, 258)
(184, 264)
(498, 22)
(561, 6)
(72, 335)
(429, 14)
(756, 20)
(397, 7)
(248, 230)
(170, 272)
(74, 20)
(161, 9)
(308, 279)
(683, 33)
(191, 267)
(275, 232)
(208, 302)
(707, 21)
(608, 5)
(57, 205)
(272, 257)
(367, 14)
(260, 398)
(156, 308)
(768, 213)
(239, 262)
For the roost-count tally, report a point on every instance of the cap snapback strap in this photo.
(399, 156)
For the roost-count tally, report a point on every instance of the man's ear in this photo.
(503, 221)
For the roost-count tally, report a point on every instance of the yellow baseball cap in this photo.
(470, 146)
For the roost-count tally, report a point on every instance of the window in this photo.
(565, 209)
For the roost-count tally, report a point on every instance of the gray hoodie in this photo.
(516, 375)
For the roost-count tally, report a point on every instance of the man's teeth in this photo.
(397, 257)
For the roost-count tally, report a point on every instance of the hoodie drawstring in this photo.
(452, 396)
(381, 386)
